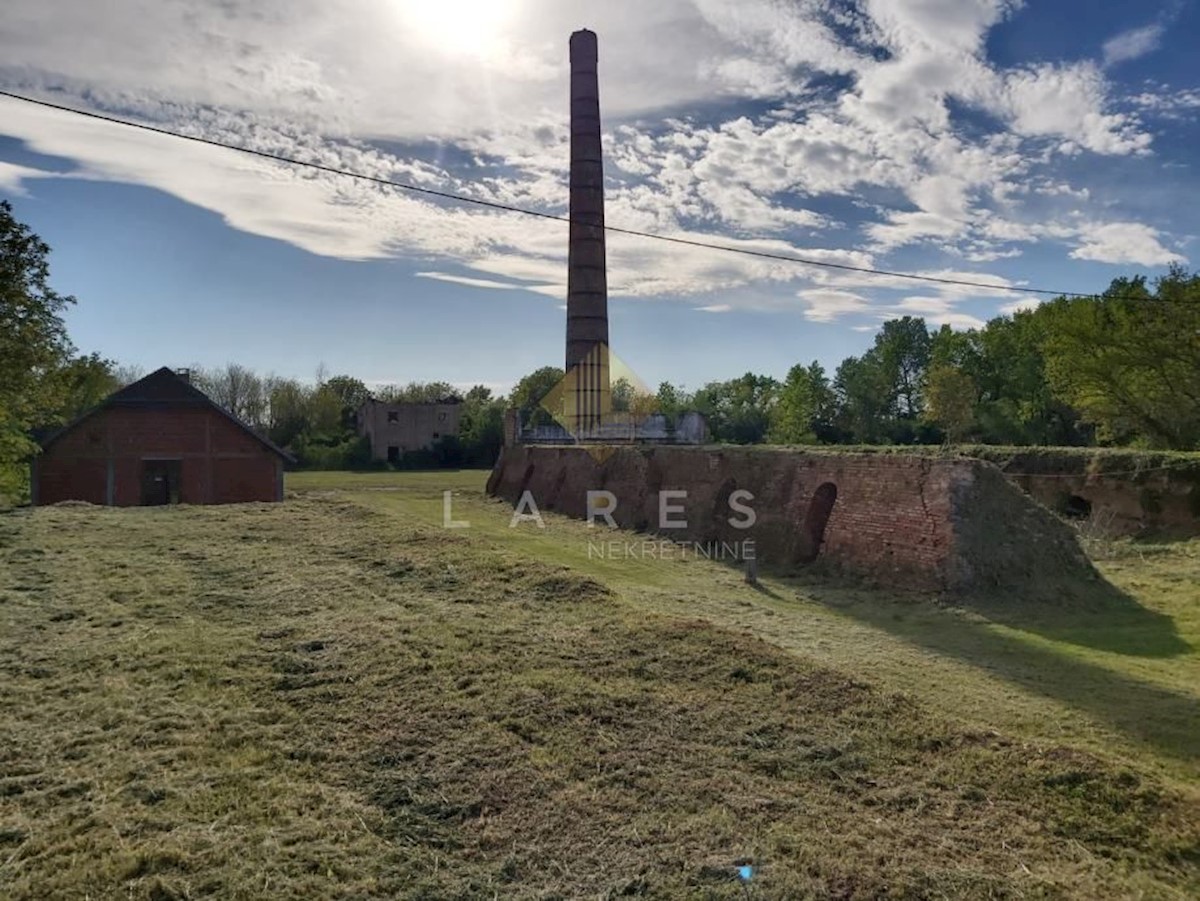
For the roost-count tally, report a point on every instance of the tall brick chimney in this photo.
(589, 395)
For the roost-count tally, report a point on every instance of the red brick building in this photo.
(158, 441)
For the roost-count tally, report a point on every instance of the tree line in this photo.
(1122, 369)
(317, 421)
(1119, 369)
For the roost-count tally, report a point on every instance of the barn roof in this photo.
(164, 388)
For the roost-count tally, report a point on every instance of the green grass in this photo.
(334, 697)
(1124, 680)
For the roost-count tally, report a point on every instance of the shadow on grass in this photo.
(1157, 716)
(1111, 621)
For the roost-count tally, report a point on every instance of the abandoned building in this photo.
(157, 441)
(394, 430)
(929, 523)
(932, 523)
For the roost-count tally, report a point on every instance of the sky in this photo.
(1046, 143)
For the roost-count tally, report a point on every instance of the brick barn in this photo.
(158, 441)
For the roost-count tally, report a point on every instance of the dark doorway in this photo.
(160, 482)
(393, 454)
(816, 518)
(1076, 507)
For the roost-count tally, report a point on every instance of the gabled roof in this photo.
(164, 388)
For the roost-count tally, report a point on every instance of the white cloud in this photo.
(1132, 43)
(12, 175)
(1025, 303)
(1069, 102)
(826, 305)
(1124, 242)
(415, 91)
(714, 308)
(470, 282)
(937, 311)
(1167, 103)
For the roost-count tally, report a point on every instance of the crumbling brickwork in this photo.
(923, 522)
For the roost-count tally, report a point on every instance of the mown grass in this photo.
(1122, 681)
(334, 697)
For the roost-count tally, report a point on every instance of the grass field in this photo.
(336, 697)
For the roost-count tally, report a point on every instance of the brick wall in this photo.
(905, 520)
(219, 462)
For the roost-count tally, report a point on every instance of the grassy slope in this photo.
(1126, 683)
(331, 698)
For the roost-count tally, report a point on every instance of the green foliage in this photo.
(902, 349)
(622, 395)
(481, 427)
(739, 410)
(351, 394)
(1130, 361)
(804, 406)
(528, 394)
(33, 348)
(288, 412)
(864, 411)
(950, 399)
(671, 400)
(347, 451)
(84, 383)
(416, 393)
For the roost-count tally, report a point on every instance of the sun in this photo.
(457, 26)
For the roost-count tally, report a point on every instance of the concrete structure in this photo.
(587, 365)
(397, 429)
(158, 441)
(935, 523)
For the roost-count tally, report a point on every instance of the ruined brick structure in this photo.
(1117, 492)
(940, 524)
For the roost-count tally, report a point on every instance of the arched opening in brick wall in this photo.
(1076, 507)
(816, 518)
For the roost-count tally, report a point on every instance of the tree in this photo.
(33, 346)
(903, 347)
(238, 389)
(622, 395)
(351, 394)
(416, 393)
(863, 400)
(739, 410)
(950, 398)
(529, 392)
(1130, 360)
(671, 400)
(287, 403)
(481, 426)
(83, 383)
(804, 406)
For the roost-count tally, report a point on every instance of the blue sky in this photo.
(1038, 143)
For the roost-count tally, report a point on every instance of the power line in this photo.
(491, 204)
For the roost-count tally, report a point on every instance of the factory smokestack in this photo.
(587, 363)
